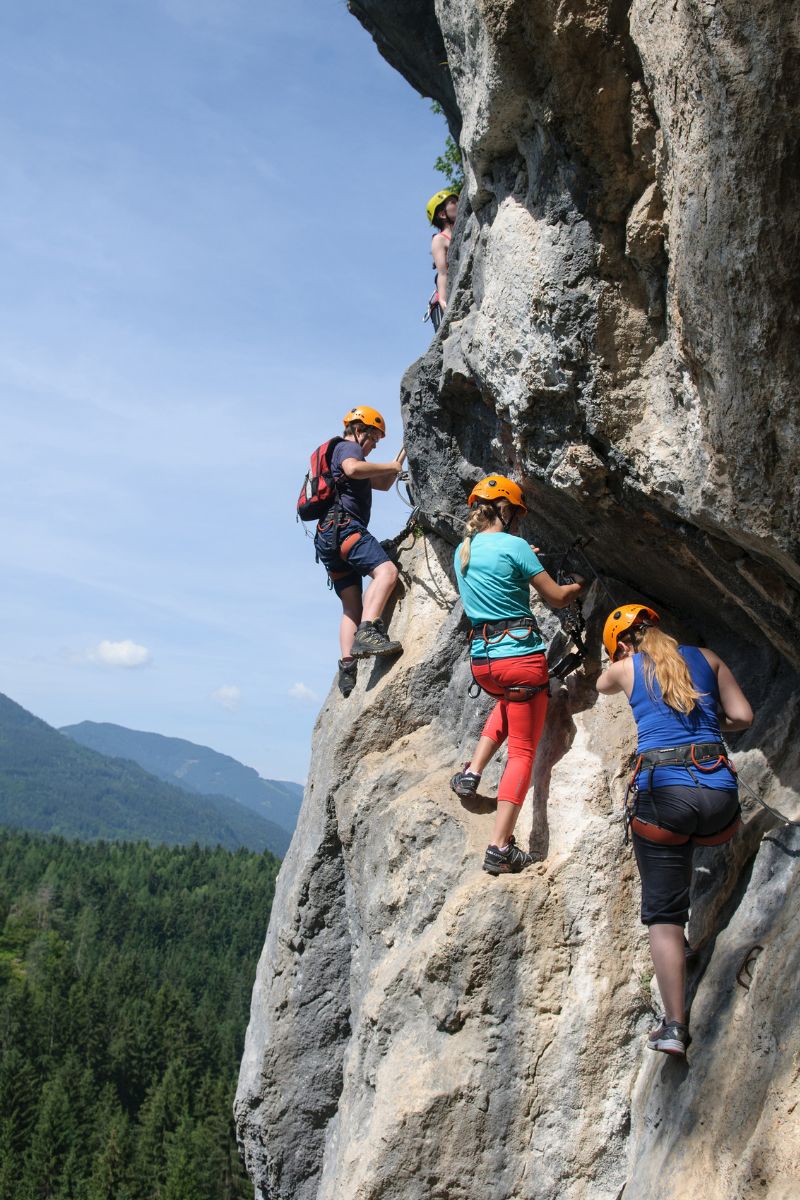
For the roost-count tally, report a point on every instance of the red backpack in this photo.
(318, 492)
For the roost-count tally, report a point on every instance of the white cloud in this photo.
(229, 696)
(120, 654)
(299, 691)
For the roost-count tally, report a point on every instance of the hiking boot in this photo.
(465, 783)
(508, 861)
(348, 672)
(371, 639)
(671, 1037)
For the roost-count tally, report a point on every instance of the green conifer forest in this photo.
(125, 979)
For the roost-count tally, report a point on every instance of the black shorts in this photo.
(666, 871)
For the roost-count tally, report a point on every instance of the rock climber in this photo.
(493, 570)
(442, 209)
(349, 551)
(684, 788)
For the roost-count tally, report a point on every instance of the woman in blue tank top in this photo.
(682, 698)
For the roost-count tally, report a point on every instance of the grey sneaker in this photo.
(348, 673)
(465, 783)
(508, 861)
(371, 639)
(671, 1037)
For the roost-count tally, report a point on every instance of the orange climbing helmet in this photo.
(367, 416)
(626, 617)
(497, 487)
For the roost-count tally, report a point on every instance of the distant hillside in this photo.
(195, 768)
(52, 785)
(125, 977)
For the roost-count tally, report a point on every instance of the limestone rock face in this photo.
(621, 337)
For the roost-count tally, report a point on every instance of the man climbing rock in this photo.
(442, 209)
(349, 551)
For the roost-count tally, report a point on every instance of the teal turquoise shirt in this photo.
(495, 588)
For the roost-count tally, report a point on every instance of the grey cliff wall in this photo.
(621, 335)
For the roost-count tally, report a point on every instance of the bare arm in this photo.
(618, 677)
(354, 468)
(736, 711)
(439, 248)
(383, 483)
(557, 595)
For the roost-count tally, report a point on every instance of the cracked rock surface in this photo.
(621, 337)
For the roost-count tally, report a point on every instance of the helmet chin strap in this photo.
(506, 524)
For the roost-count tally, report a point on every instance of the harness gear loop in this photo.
(723, 759)
(347, 544)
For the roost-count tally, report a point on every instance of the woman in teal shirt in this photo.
(494, 570)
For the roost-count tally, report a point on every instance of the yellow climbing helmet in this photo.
(626, 617)
(367, 416)
(497, 487)
(437, 200)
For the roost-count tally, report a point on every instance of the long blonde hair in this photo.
(662, 662)
(483, 514)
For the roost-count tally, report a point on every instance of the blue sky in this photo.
(214, 243)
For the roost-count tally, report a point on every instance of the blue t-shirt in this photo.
(495, 588)
(355, 495)
(658, 725)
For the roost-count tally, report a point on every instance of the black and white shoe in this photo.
(671, 1037)
(506, 862)
(465, 783)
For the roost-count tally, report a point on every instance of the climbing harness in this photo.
(515, 693)
(434, 311)
(491, 632)
(694, 756)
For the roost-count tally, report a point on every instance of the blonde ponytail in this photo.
(480, 518)
(662, 662)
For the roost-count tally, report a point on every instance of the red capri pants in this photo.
(519, 722)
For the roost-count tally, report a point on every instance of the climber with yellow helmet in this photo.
(442, 209)
(683, 787)
(494, 570)
(349, 551)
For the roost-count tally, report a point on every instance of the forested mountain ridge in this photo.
(125, 973)
(195, 768)
(50, 784)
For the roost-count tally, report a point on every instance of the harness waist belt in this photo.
(493, 628)
(691, 754)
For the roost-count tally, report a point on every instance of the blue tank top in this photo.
(658, 725)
